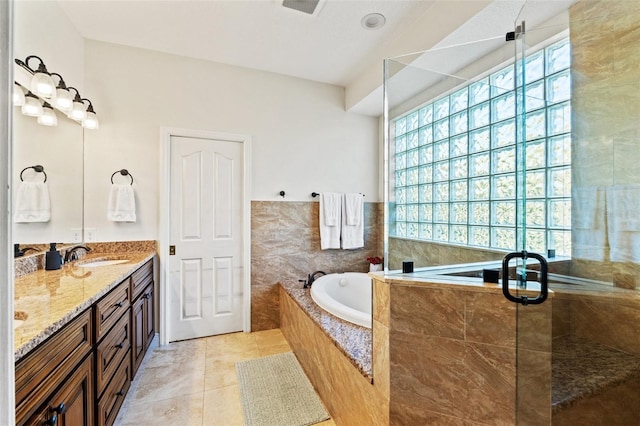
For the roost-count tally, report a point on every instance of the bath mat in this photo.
(275, 391)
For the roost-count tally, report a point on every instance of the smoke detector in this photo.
(310, 7)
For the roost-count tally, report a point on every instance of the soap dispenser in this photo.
(53, 260)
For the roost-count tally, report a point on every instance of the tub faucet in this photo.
(71, 254)
(311, 278)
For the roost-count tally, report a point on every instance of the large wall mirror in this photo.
(59, 150)
(42, 29)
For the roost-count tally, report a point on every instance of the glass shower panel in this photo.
(450, 160)
(587, 78)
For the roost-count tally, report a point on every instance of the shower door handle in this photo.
(522, 278)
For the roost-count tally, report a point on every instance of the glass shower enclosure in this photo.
(528, 143)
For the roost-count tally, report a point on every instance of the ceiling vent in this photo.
(310, 7)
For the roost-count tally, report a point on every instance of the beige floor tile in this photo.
(222, 407)
(187, 351)
(158, 383)
(220, 373)
(274, 349)
(184, 410)
(238, 346)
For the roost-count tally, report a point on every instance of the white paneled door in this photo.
(206, 269)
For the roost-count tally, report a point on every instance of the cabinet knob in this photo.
(52, 421)
(147, 296)
(60, 409)
(120, 392)
(120, 345)
(120, 304)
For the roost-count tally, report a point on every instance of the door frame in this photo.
(164, 223)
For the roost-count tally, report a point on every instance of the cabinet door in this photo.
(138, 340)
(73, 403)
(149, 306)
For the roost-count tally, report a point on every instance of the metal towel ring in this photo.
(38, 169)
(123, 172)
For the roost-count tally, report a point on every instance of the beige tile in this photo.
(158, 383)
(183, 410)
(187, 351)
(220, 373)
(222, 407)
(235, 346)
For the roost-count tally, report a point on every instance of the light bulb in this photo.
(79, 111)
(91, 122)
(48, 116)
(32, 106)
(64, 100)
(18, 95)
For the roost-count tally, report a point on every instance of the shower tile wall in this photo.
(285, 247)
(605, 43)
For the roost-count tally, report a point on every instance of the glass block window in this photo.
(455, 160)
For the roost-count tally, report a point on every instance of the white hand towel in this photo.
(589, 208)
(122, 204)
(32, 203)
(330, 219)
(623, 221)
(353, 211)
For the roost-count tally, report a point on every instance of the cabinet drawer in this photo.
(111, 307)
(111, 351)
(141, 278)
(45, 367)
(73, 403)
(110, 402)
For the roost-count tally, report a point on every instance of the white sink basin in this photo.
(107, 262)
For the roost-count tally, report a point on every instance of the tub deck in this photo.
(352, 340)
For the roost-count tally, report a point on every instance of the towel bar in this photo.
(315, 194)
(123, 172)
(38, 169)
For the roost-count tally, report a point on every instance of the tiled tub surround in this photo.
(285, 247)
(354, 341)
(323, 344)
(51, 299)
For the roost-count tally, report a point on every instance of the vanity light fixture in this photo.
(32, 106)
(42, 83)
(18, 95)
(78, 111)
(91, 122)
(64, 99)
(48, 116)
(55, 96)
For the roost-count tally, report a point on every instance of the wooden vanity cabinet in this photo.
(81, 374)
(73, 403)
(142, 314)
(43, 375)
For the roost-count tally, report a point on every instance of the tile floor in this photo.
(194, 382)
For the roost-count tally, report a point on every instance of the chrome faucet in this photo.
(311, 278)
(71, 254)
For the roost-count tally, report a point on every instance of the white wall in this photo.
(303, 140)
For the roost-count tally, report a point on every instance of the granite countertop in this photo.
(582, 368)
(45, 301)
(353, 340)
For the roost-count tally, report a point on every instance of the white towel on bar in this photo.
(623, 221)
(330, 219)
(32, 203)
(122, 204)
(353, 223)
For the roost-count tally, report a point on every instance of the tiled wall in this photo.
(426, 253)
(605, 127)
(452, 357)
(285, 247)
